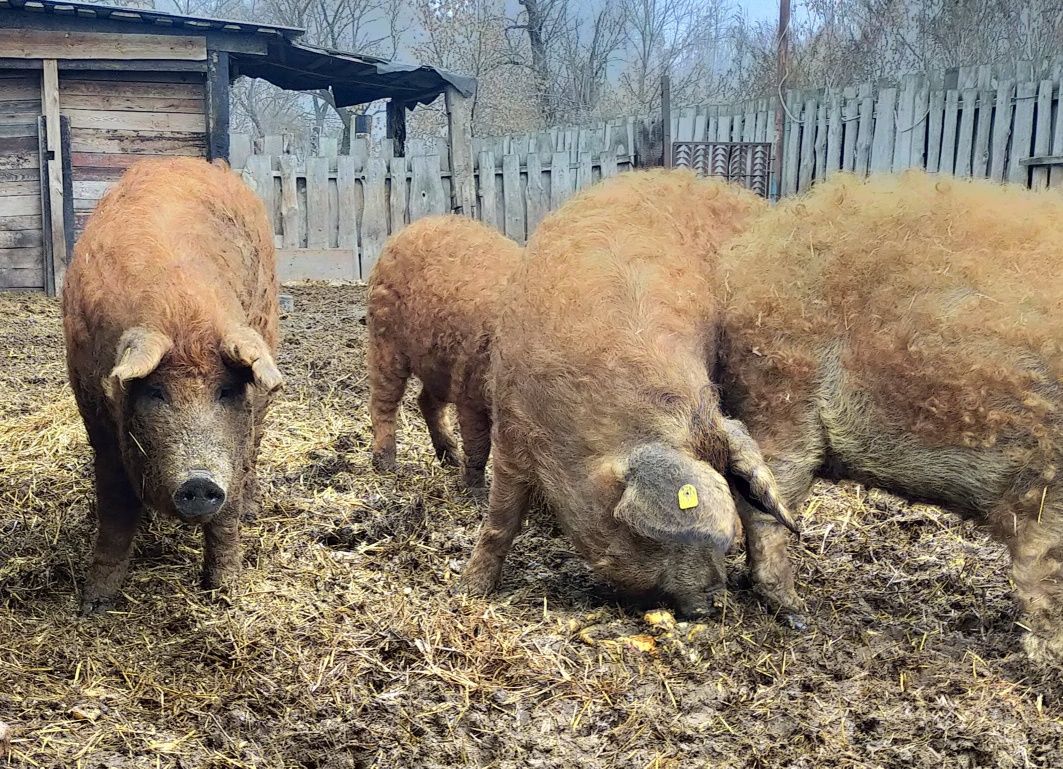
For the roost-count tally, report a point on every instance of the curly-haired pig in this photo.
(603, 399)
(170, 317)
(433, 298)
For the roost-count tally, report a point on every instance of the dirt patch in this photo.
(345, 647)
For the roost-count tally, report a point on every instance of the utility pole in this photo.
(666, 120)
(781, 64)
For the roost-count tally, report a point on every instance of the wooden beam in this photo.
(68, 186)
(109, 65)
(218, 106)
(459, 138)
(317, 264)
(45, 44)
(56, 204)
(48, 267)
(396, 126)
(1042, 160)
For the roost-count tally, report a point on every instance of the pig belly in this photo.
(865, 446)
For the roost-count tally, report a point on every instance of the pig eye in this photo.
(154, 393)
(229, 392)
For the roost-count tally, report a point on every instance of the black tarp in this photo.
(354, 79)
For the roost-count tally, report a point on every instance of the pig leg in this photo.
(766, 540)
(221, 551)
(508, 502)
(388, 373)
(1036, 544)
(442, 440)
(475, 423)
(118, 514)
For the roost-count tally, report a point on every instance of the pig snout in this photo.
(198, 497)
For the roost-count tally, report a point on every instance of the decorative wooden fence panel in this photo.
(332, 215)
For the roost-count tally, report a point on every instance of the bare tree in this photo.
(469, 36)
(683, 38)
(568, 48)
(373, 27)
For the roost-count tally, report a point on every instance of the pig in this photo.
(170, 318)
(603, 401)
(433, 298)
(905, 332)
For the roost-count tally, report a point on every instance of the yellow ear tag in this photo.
(688, 497)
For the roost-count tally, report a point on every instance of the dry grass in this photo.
(346, 649)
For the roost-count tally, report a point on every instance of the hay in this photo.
(345, 648)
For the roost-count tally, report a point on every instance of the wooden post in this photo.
(462, 180)
(783, 44)
(56, 219)
(218, 105)
(396, 127)
(666, 119)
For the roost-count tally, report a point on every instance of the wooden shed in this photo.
(87, 89)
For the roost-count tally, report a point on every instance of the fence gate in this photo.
(745, 163)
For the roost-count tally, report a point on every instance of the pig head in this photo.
(186, 418)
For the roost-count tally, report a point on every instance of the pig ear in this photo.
(243, 346)
(751, 477)
(687, 513)
(140, 349)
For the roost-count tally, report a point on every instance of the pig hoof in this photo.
(693, 613)
(474, 480)
(448, 457)
(794, 621)
(384, 462)
(219, 581)
(93, 606)
(479, 579)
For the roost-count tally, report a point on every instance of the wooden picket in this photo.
(337, 211)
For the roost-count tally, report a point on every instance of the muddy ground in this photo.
(345, 648)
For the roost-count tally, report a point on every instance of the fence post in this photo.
(462, 181)
(512, 200)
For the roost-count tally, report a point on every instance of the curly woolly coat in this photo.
(602, 397)
(906, 331)
(172, 290)
(433, 298)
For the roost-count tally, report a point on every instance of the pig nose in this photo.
(198, 497)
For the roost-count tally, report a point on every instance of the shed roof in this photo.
(353, 78)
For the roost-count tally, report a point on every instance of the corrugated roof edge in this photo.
(149, 17)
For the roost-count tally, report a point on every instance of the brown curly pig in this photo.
(905, 332)
(603, 403)
(433, 298)
(170, 317)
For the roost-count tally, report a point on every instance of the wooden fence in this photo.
(331, 215)
(997, 122)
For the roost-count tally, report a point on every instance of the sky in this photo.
(760, 9)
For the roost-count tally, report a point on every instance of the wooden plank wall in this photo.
(21, 221)
(117, 118)
(338, 211)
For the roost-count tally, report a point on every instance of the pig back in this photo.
(605, 326)
(434, 294)
(178, 244)
(939, 299)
